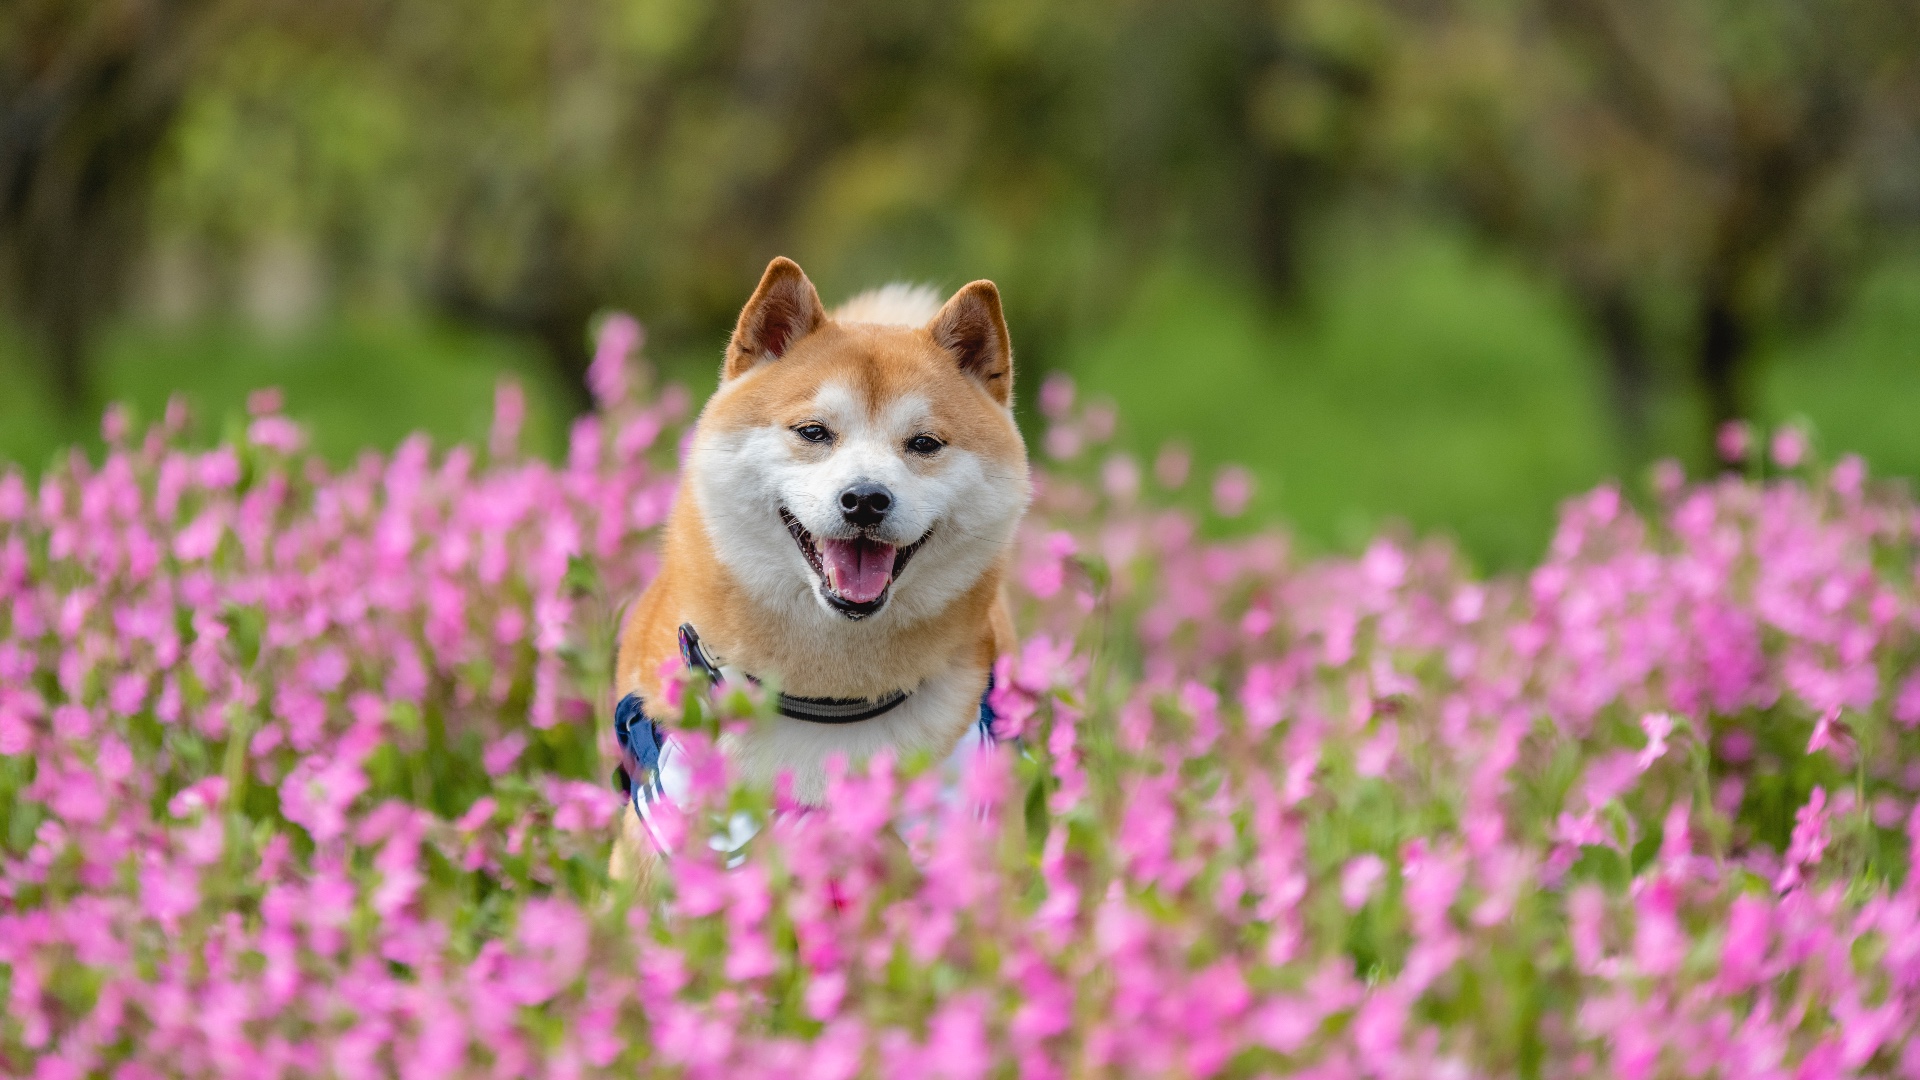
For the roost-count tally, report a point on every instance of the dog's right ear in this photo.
(784, 309)
(972, 328)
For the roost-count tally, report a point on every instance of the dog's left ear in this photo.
(784, 309)
(972, 328)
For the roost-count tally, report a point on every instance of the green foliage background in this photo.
(1439, 263)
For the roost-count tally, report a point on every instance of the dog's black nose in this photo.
(865, 504)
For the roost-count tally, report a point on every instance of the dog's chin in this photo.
(854, 576)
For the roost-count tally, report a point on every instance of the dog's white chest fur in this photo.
(930, 721)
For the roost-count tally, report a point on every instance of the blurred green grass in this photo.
(1857, 386)
(1422, 381)
(355, 383)
(1430, 383)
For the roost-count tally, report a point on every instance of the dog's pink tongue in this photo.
(857, 569)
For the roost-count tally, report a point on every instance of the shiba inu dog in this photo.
(843, 523)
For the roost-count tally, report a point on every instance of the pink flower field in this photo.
(304, 773)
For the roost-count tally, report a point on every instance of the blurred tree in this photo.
(1686, 168)
(88, 95)
(1691, 171)
(521, 163)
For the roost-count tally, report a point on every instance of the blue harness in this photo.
(642, 741)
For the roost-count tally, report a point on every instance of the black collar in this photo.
(812, 710)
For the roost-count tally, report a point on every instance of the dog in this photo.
(842, 528)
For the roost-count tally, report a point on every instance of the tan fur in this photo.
(634, 860)
(786, 348)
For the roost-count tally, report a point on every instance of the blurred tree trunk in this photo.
(1278, 194)
(1629, 358)
(1725, 345)
(1779, 161)
(88, 93)
(1648, 151)
(545, 300)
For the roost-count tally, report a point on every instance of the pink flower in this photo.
(509, 413)
(838, 1052)
(1232, 490)
(607, 376)
(199, 797)
(1433, 881)
(219, 469)
(1659, 942)
(1045, 575)
(1849, 475)
(1358, 878)
(1829, 733)
(1809, 841)
(824, 994)
(1658, 726)
(477, 815)
(556, 934)
(276, 433)
(1586, 926)
(266, 401)
(1743, 954)
(1384, 564)
(115, 424)
(316, 793)
(957, 1040)
(699, 887)
(1732, 440)
(503, 752)
(303, 778)
(1172, 466)
(1120, 478)
(581, 807)
(1906, 702)
(1789, 447)
(1669, 476)
(1056, 395)
(1062, 442)
(1098, 420)
(168, 891)
(199, 540)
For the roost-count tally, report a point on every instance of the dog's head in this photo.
(864, 466)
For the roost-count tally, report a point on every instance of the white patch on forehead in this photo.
(906, 411)
(836, 401)
(843, 406)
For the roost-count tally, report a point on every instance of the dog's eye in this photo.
(924, 444)
(814, 433)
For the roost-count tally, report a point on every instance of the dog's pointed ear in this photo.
(784, 309)
(972, 328)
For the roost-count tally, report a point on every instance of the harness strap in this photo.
(645, 748)
(641, 741)
(813, 710)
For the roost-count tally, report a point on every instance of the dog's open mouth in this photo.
(855, 572)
